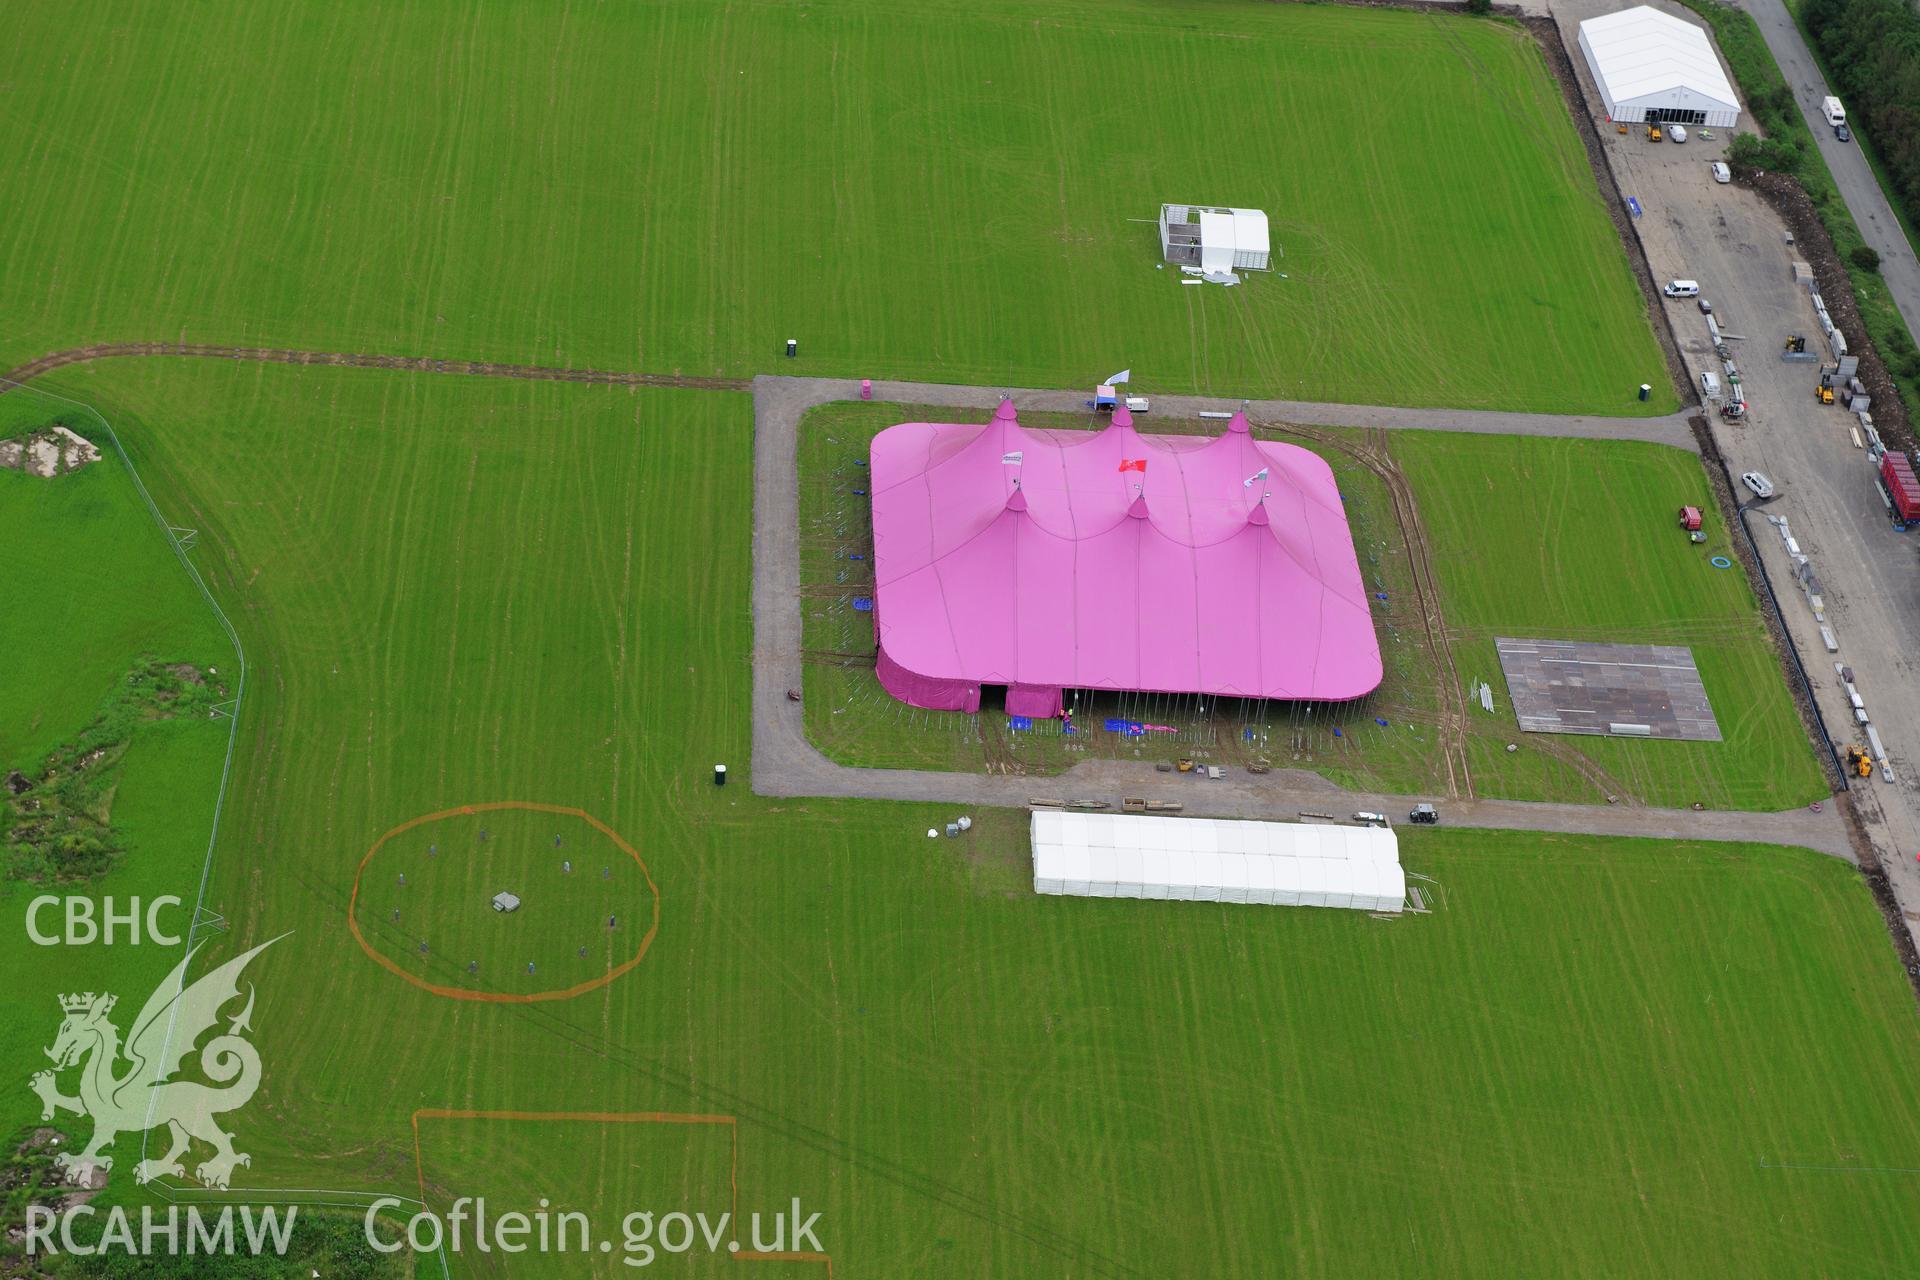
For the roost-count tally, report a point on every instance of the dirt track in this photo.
(1377, 458)
(359, 360)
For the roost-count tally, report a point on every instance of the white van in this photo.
(1710, 384)
(1677, 132)
(1682, 289)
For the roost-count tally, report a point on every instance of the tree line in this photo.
(1872, 48)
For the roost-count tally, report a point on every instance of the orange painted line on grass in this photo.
(732, 1124)
(504, 997)
(752, 1255)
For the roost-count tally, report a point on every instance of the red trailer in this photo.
(1901, 487)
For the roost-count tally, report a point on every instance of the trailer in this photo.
(1899, 488)
(1835, 113)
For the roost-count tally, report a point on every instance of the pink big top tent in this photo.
(1046, 561)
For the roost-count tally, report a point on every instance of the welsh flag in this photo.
(1134, 464)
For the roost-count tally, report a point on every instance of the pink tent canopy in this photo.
(1053, 560)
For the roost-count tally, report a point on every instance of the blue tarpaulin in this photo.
(1132, 728)
(863, 604)
(1019, 723)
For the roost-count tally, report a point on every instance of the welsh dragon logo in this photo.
(145, 1095)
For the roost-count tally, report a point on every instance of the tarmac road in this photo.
(1669, 430)
(785, 763)
(1867, 202)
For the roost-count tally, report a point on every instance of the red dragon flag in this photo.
(1134, 464)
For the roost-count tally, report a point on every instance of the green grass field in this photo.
(691, 1161)
(1579, 540)
(1597, 1058)
(961, 193)
(1530, 537)
(95, 587)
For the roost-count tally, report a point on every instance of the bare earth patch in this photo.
(48, 452)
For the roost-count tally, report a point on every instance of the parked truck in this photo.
(1835, 113)
(1899, 488)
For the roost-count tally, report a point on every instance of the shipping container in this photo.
(1903, 489)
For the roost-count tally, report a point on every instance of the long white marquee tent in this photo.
(1652, 66)
(1116, 855)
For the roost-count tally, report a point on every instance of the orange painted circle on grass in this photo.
(503, 997)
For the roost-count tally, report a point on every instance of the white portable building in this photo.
(1215, 239)
(1655, 68)
(1118, 855)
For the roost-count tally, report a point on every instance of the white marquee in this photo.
(1653, 66)
(1113, 855)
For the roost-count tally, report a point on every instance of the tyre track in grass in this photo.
(362, 360)
(1374, 454)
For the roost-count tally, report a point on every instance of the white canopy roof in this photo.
(1112, 855)
(1216, 240)
(1249, 231)
(1643, 51)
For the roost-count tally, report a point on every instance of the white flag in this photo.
(1261, 474)
(1012, 459)
(1125, 375)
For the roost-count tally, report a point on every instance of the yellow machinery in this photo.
(1653, 133)
(1859, 763)
(1823, 395)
